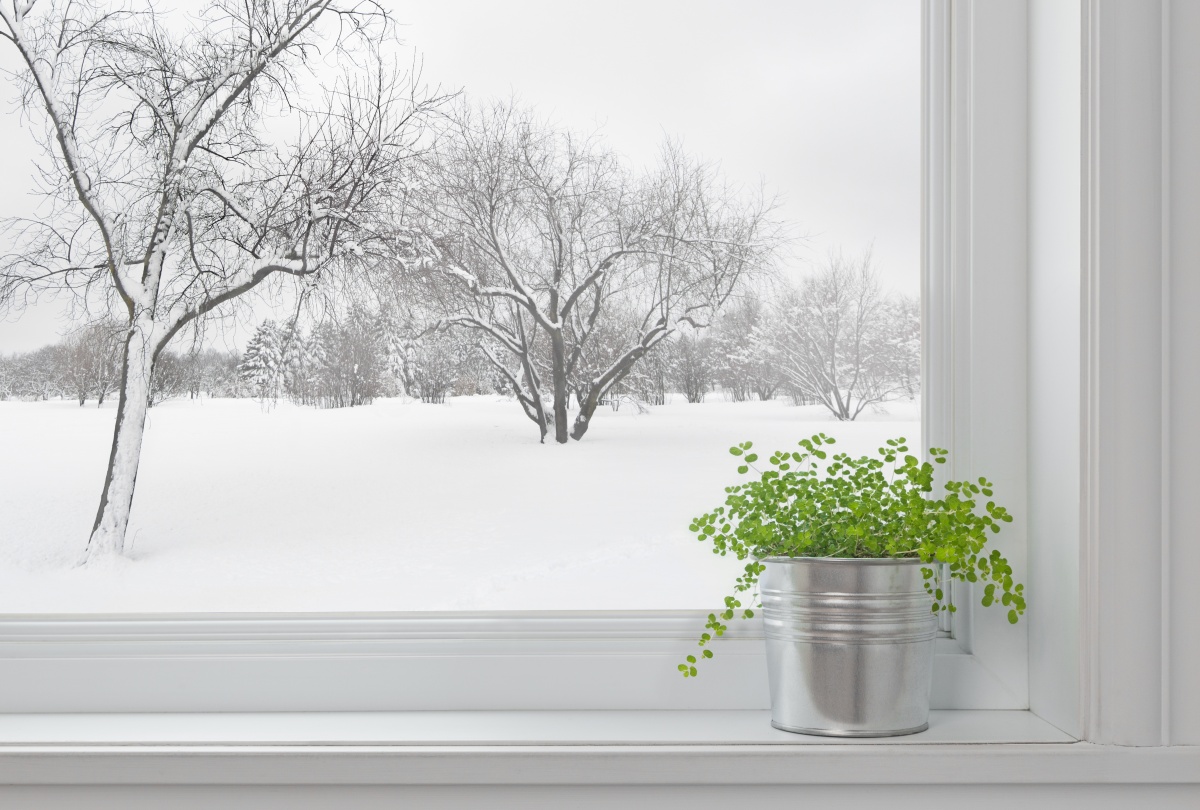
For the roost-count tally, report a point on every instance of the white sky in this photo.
(819, 98)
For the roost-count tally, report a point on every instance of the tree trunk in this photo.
(606, 383)
(843, 406)
(112, 518)
(561, 393)
(583, 419)
(587, 408)
(530, 396)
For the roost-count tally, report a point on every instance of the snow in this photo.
(395, 506)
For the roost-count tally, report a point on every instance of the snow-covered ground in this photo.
(392, 507)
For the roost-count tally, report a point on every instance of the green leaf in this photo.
(883, 505)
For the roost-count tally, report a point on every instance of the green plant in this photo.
(867, 507)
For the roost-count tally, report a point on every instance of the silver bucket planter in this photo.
(849, 645)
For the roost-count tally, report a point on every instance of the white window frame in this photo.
(974, 235)
(974, 317)
(1111, 552)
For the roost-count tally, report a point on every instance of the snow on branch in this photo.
(556, 223)
(167, 166)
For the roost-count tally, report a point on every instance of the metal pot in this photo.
(849, 645)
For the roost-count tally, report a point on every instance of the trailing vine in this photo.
(808, 504)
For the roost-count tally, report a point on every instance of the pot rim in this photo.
(845, 560)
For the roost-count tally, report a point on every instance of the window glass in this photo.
(604, 243)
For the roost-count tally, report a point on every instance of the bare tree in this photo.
(209, 371)
(744, 366)
(349, 361)
(904, 342)
(692, 367)
(174, 193)
(7, 376)
(648, 382)
(549, 236)
(76, 373)
(835, 339)
(92, 361)
(38, 374)
(438, 363)
(170, 377)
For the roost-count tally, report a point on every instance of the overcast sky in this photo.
(818, 98)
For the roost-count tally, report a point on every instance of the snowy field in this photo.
(396, 506)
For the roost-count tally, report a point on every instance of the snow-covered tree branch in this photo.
(842, 342)
(193, 160)
(550, 240)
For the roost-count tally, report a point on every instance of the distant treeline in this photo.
(87, 366)
(835, 340)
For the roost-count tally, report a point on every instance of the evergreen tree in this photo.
(296, 363)
(261, 369)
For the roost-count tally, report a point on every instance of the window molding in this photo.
(1139, 189)
(401, 662)
(974, 245)
(993, 766)
(1113, 648)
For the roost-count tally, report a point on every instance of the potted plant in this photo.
(845, 556)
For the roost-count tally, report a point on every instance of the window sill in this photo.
(487, 728)
(549, 747)
(566, 661)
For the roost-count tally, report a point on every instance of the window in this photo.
(370, 442)
(421, 660)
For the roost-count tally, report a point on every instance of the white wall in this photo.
(1182, 307)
